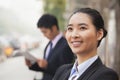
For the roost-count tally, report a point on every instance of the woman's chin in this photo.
(76, 52)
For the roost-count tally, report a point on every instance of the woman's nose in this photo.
(75, 34)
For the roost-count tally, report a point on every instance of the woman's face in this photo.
(81, 34)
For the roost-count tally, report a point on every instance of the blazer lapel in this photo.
(50, 54)
(46, 49)
(66, 75)
(55, 48)
(91, 70)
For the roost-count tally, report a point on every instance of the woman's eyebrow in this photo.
(82, 24)
(70, 25)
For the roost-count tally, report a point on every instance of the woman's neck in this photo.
(85, 56)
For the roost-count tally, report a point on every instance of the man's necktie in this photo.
(50, 49)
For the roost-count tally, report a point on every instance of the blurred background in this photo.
(18, 31)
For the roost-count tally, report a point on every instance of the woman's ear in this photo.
(100, 34)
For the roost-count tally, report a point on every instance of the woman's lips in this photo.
(76, 43)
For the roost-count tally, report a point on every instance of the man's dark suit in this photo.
(97, 71)
(61, 54)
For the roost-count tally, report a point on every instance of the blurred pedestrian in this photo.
(57, 51)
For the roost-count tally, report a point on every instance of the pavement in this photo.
(15, 69)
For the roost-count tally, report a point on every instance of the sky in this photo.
(26, 11)
(20, 18)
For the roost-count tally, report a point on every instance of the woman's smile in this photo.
(76, 43)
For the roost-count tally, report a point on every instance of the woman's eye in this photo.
(83, 28)
(69, 29)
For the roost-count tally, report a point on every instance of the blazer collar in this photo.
(67, 74)
(87, 73)
(91, 70)
(54, 49)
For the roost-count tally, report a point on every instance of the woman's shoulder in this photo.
(66, 66)
(106, 69)
(62, 70)
(106, 72)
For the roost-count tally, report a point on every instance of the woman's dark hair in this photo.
(47, 21)
(97, 19)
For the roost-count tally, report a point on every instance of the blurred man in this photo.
(57, 51)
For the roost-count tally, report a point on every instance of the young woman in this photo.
(84, 33)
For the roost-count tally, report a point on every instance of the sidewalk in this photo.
(15, 69)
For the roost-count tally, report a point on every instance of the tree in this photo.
(117, 54)
(57, 8)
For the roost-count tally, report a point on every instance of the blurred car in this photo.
(8, 51)
(6, 48)
(12, 47)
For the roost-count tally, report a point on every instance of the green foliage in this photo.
(57, 8)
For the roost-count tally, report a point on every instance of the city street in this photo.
(15, 69)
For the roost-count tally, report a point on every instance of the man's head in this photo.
(48, 25)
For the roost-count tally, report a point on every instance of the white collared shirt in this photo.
(80, 69)
(54, 42)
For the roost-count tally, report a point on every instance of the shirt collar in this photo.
(56, 39)
(83, 66)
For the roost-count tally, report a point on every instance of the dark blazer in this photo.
(61, 54)
(97, 71)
